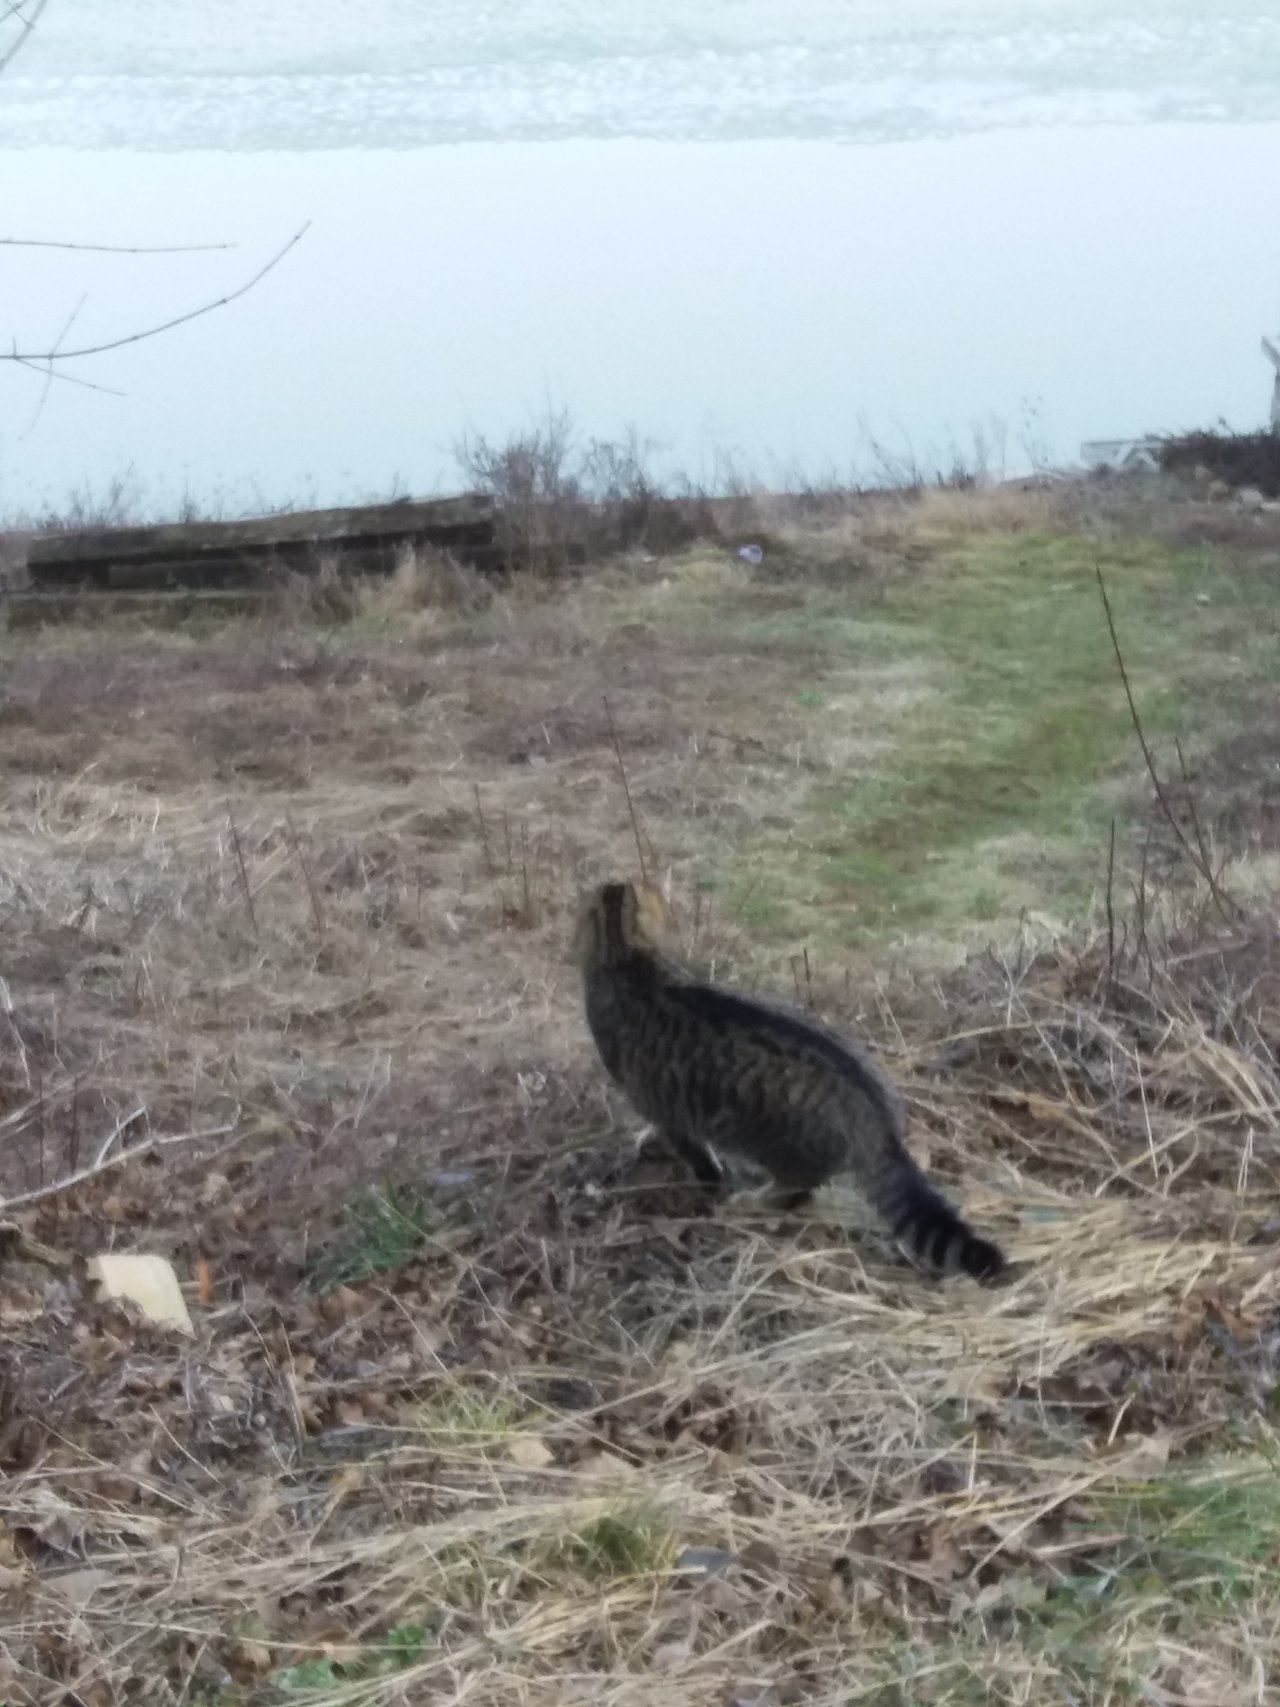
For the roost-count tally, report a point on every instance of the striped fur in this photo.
(716, 1071)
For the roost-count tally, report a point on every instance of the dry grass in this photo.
(481, 1405)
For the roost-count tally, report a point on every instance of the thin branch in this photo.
(70, 378)
(48, 373)
(1196, 826)
(26, 23)
(242, 870)
(484, 833)
(626, 789)
(109, 1162)
(165, 326)
(118, 1130)
(1140, 901)
(115, 248)
(313, 893)
(1111, 907)
(1225, 905)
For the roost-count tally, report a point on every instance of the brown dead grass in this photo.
(303, 904)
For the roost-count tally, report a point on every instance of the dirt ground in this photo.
(481, 1403)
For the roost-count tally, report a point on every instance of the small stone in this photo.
(703, 1561)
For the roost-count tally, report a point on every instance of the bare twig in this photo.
(114, 248)
(26, 23)
(1226, 906)
(484, 833)
(242, 870)
(1197, 828)
(109, 1162)
(626, 789)
(49, 372)
(29, 356)
(1111, 910)
(1140, 902)
(313, 893)
(121, 1126)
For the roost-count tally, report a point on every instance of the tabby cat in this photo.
(716, 1071)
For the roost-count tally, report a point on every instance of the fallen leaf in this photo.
(340, 1305)
(213, 1186)
(530, 1453)
(20, 1305)
(1016, 1590)
(943, 1556)
(54, 1520)
(254, 1656)
(78, 1588)
(603, 1467)
(1138, 1457)
(670, 1654)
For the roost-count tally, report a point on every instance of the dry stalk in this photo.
(574, 1354)
(489, 866)
(107, 1163)
(242, 871)
(626, 788)
(1110, 904)
(313, 893)
(1198, 857)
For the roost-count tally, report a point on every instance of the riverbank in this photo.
(480, 1404)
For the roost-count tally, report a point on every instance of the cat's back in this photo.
(657, 1023)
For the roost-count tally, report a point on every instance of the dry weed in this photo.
(482, 1405)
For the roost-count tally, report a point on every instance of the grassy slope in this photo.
(993, 780)
(317, 884)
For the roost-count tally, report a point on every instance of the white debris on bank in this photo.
(1127, 454)
(1143, 453)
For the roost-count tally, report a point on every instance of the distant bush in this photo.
(1238, 459)
(563, 500)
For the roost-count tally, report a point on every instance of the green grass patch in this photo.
(997, 782)
(383, 1229)
(633, 1541)
(462, 1416)
(400, 1648)
(1206, 1539)
(1178, 1557)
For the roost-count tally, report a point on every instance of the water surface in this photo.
(763, 230)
